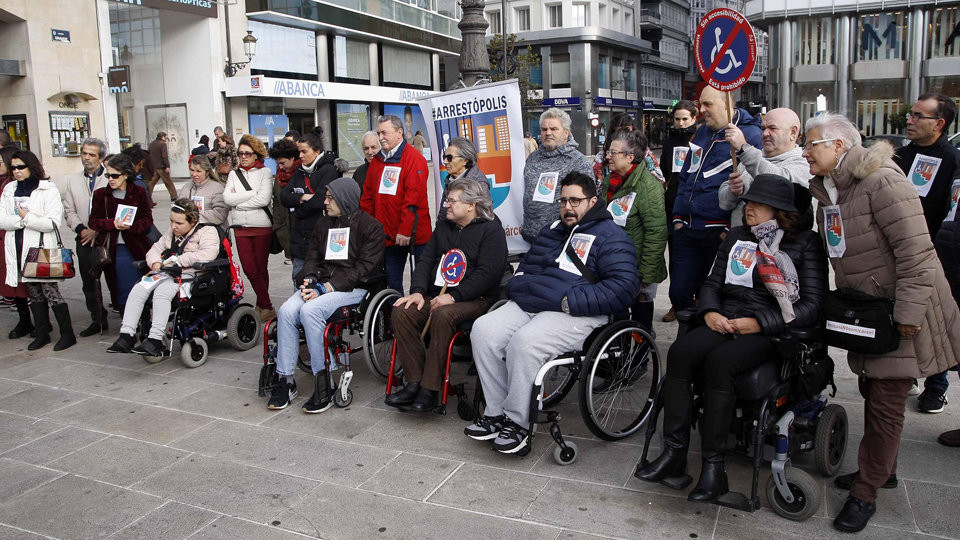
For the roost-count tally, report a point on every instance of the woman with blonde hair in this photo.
(205, 191)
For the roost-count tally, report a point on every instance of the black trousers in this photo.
(718, 358)
(90, 289)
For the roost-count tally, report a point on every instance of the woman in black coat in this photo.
(769, 275)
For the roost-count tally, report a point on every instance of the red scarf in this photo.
(615, 182)
(284, 175)
(257, 165)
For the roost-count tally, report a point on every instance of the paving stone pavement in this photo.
(94, 445)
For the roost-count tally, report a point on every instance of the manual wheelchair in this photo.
(370, 318)
(214, 311)
(777, 415)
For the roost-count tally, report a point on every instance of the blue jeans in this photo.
(691, 258)
(938, 382)
(297, 267)
(313, 316)
(395, 260)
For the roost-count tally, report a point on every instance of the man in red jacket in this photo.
(395, 192)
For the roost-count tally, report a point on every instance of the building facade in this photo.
(868, 59)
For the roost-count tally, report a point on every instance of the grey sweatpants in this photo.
(509, 347)
(163, 295)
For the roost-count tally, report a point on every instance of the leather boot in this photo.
(96, 327)
(24, 326)
(67, 338)
(718, 410)
(677, 408)
(404, 396)
(41, 316)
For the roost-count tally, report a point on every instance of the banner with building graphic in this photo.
(489, 115)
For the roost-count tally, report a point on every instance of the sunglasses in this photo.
(449, 157)
(113, 176)
(19, 167)
(246, 154)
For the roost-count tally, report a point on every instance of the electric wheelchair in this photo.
(780, 411)
(213, 311)
(370, 318)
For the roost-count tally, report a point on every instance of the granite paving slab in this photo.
(118, 460)
(55, 445)
(143, 422)
(169, 522)
(410, 476)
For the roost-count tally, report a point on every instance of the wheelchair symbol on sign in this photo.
(732, 62)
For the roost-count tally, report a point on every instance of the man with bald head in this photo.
(780, 156)
(698, 220)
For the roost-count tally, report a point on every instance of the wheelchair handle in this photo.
(216, 263)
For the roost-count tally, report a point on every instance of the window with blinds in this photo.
(351, 58)
(406, 66)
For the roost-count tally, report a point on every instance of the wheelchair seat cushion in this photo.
(758, 382)
(342, 313)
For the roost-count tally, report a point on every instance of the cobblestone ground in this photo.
(96, 445)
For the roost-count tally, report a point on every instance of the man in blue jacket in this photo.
(554, 304)
(698, 221)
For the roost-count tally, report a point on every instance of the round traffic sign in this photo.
(453, 266)
(725, 49)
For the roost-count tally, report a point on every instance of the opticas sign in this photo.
(259, 85)
(206, 8)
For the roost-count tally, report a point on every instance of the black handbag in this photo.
(859, 322)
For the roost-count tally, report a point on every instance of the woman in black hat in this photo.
(769, 274)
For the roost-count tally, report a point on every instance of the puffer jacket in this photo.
(472, 173)
(646, 222)
(364, 251)
(889, 253)
(540, 284)
(305, 214)
(735, 301)
(214, 209)
(203, 245)
(697, 205)
(394, 211)
(247, 208)
(484, 244)
(561, 160)
(947, 243)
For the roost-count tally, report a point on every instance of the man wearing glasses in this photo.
(932, 165)
(579, 270)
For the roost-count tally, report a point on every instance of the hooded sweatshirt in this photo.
(790, 165)
(543, 163)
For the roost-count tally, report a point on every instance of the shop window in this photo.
(944, 37)
(560, 71)
(880, 36)
(603, 72)
(353, 120)
(631, 77)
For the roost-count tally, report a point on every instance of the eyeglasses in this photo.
(615, 152)
(19, 167)
(920, 116)
(450, 202)
(246, 154)
(572, 201)
(449, 157)
(811, 144)
(113, 176)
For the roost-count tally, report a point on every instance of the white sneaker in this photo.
(915, 389)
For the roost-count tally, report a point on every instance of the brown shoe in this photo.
(950, 438)
(670, 316)
(267, 314)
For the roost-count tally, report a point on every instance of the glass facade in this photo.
(815, 41)
(351, 58)
(944, 38)
(880, 36)
(660, 84)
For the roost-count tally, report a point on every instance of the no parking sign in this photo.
(725, 49)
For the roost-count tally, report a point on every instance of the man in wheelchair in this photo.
(473, 229)
(769, 275)
(580, 270)
(347, 245)
(177, 250)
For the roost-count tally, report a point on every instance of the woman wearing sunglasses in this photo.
(30, 210)
(12, 295)
(125, 242)
(460, 162)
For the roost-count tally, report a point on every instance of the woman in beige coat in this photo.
(882, 248)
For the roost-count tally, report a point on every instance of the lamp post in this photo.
(249, 49)
(474, 59)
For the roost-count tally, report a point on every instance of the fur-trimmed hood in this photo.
(867, 161)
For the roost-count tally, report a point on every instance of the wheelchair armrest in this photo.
(216, 263)
(803, 334)
(372, 279)
(141, 266)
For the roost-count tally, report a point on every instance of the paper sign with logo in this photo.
(740, 263)
(198, 201)
(389, 180)
(696, 154)
(833, 228)
(620, 207)
(581, 244)
(546, 190)
(452, 268)
(923, 171)
(490, 116)
(338, 244)
(679, 156)
(954, 198)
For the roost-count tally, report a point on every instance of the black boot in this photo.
(321, 399)
(678, 406)
(96, 327)
(24, 326)
(718, 409)
(41, 315)
(67, 338)
(426, 401)
(404, 396)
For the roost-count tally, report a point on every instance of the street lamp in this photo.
(249, 49)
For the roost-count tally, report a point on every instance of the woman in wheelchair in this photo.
(346, 246)
(768, 275)
(175, 253)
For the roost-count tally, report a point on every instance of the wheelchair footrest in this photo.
(678, 482)
(738, 501)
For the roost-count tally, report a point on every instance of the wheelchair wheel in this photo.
(621, 370)
(565, 457)
(339, 401)
(378, 332)
(557, 383)
(830, 443)
(303, 359)
(243, 328)
(805, 491)
(193, 353)
(465, 411)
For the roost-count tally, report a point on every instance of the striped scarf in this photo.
(775, 267)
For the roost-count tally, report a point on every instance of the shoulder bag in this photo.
(49, 263)
(859, 322)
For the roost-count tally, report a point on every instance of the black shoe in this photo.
(931, 401)
(712, 483)
(854, 515)
(845, 481)
(150, 347)
(281, 394)
(485, 428)
(671, 463)
(41, 316)
(320, 401)
(67, 338)
(123, 344)
(94, 329)
(512, 438)
(405, 396)
(426, 401)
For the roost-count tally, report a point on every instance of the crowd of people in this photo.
(727, 212)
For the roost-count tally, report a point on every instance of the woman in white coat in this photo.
(249, 194)
(30, 210)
